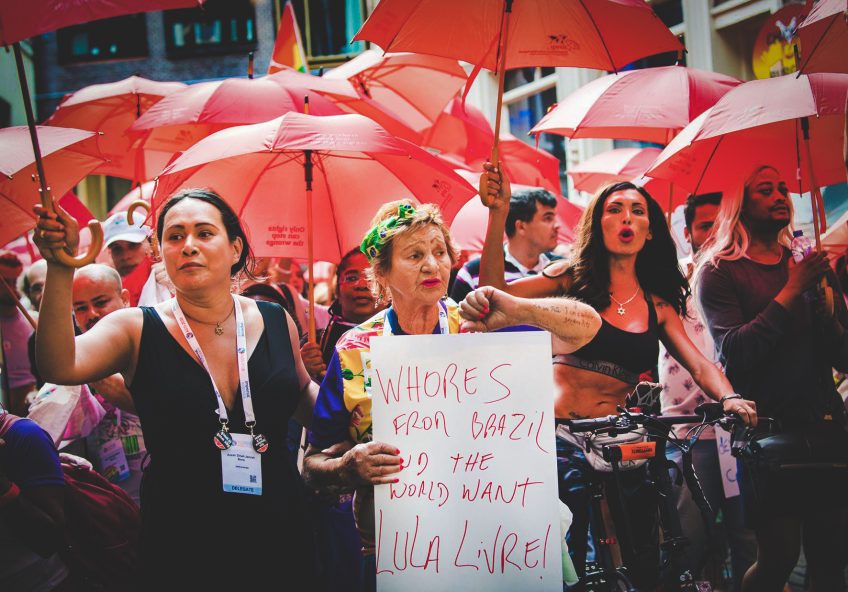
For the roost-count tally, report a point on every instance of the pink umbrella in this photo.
(793, 123)
(626, 164)
(70, 154)
(463, 133)
(347, 164)
(143, 192)
(651, 105)
(112, 108)
(605, 34)
(824, 38)
(468, 228)
(40, 16)
(400, 87)
(185, 117)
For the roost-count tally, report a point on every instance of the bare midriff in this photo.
(583, 393)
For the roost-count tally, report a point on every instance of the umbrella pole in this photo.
(818, 210)
(61, 255)
(307, 170)
(140, 203)
(504, 34)
(670, 202)
(19, 304)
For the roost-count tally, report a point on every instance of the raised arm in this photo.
(104, 350)
(572, 321)
(705, 374)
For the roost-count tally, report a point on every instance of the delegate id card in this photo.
(241, 466)
(113, 461)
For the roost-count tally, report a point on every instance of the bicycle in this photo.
(675, 574)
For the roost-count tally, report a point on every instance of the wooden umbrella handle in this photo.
(140, 203)
(82, 259)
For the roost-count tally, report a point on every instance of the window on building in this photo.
(526, 112)
(108, 39)
(220, 27)
(327, 26)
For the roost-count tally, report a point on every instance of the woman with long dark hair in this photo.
(624, 265)
(215, 378)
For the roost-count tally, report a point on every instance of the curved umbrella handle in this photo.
(63, 256)
(82, 260)
(140, 203)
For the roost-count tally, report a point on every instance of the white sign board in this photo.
(476, 505)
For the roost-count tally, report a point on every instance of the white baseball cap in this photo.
(117, 228)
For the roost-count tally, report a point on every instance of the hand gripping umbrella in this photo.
(271, 172)
(42, 16)
(603, 34)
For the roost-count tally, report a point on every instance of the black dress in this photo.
(195, 534)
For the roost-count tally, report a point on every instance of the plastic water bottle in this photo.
(801, 246)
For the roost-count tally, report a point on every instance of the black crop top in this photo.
(618, 353)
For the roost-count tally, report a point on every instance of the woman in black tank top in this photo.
(209, 520)
(624, 265)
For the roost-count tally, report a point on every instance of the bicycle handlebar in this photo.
(628, 420)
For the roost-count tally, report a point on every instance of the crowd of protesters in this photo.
(150, 344)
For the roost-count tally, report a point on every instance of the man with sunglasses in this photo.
(778, 350)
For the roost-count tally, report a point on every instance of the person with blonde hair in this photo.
(778, 348)
(410, 254)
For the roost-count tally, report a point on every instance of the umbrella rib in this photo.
(704, 172)
(249, 194)
(598, 31)
(320, 166)
(816, 46)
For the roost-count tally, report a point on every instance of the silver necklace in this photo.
(620, 310)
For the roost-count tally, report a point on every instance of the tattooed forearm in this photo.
(571, 320)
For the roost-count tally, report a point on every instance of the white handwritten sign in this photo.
(476, 504)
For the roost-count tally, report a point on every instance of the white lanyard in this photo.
(241, 355)
(444, 328)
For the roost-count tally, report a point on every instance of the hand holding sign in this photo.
(373, 463)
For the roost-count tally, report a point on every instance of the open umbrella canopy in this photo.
(824, 38)
(621, 164)
(409, 88)
(19, 22)
(463, 133)
(143, 192)
(651, 105)
(111, 109)
(358, 167)
(760, 122)
(69, 155)
(189, 115)
(468, 229)
(602, 34)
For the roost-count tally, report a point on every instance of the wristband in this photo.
(10, 495)
(728, 397)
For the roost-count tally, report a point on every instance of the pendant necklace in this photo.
(620, 310)
(219, 329)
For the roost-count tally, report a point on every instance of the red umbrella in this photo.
(651, 105)
(347, 164)
(824, 38)
(112, 108)
(603, 34)
(463, 133)
(40, 16)
(189, 115)
(626, 164)
(400, 88)
(468, 229)
(792, 123)
(19, 22)
(70, 154)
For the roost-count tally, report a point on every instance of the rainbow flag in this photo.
(288, 49)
